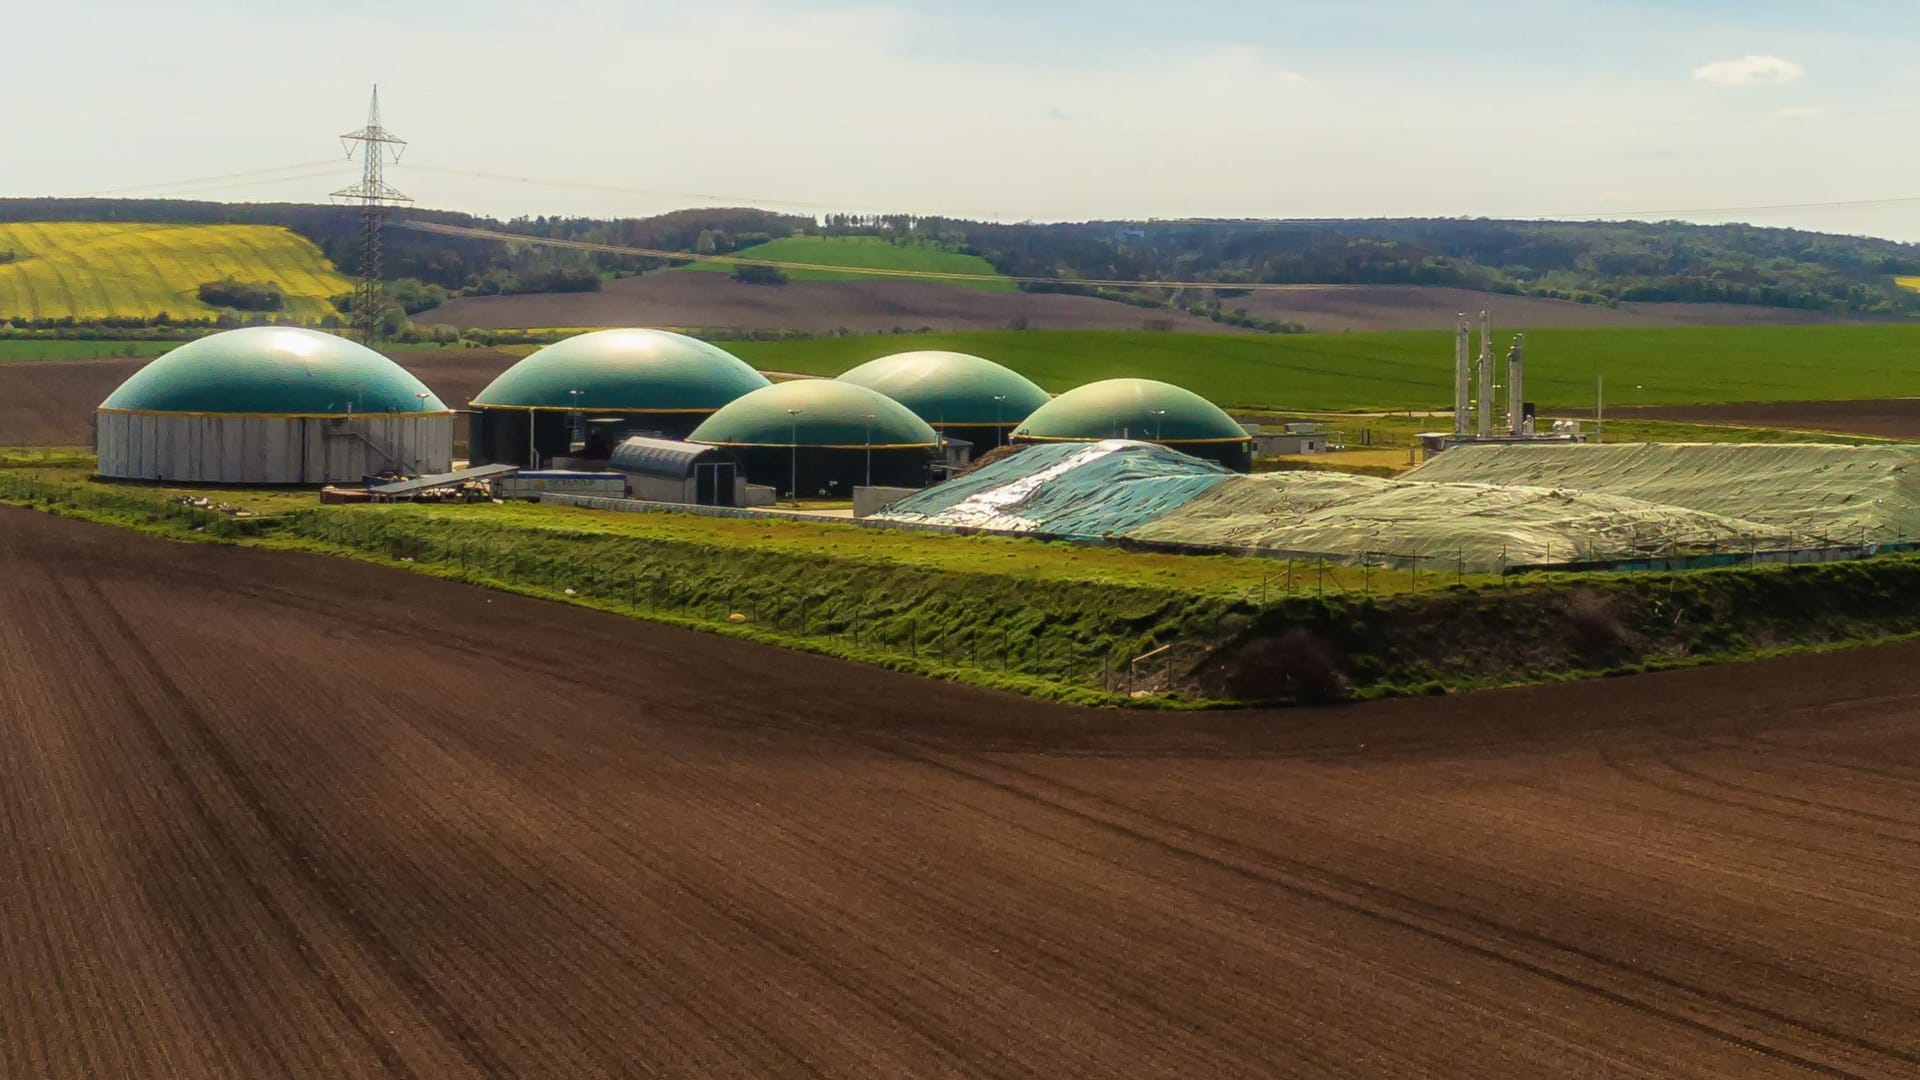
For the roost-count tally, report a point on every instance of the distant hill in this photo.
(871, 253)
(1602, 265)
(90, 271)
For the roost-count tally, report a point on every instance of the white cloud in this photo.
(1797, 112)
(1750, 71)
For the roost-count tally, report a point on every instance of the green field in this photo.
(94, 270)
(1690, 365)
(25, 350)
(868, 252)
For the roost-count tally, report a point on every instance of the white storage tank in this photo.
(272, 405)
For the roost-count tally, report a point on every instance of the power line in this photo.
(373, 196)
(579, 185)
(249, 176)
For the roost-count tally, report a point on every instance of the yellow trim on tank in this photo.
(268, 415)
(822, 446)
(583, 408)
(1129, 438)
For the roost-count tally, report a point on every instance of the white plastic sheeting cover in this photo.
(1840, 492)
(1478, 527)
(1066, 489)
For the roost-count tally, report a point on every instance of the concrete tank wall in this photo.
(215, 449)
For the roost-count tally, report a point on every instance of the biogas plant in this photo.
(638, 419)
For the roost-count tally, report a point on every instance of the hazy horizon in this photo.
(1071, 111)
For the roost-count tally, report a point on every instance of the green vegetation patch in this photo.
(1666, 366)
(95, 270)
(868, 252)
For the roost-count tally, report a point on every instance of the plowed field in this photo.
(274, 815)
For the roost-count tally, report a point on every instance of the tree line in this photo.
(1590, 262)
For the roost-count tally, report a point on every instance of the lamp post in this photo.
(869, 449)
(1158, 415)
(578, 425)
(999, 433)
(793, 448)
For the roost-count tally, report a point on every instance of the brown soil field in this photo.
(717, 301)
(277, 815)
(693, 299)
(51, 403)
(1334, 308)
(1893, 418)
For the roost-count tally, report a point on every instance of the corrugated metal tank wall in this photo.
(270, 450)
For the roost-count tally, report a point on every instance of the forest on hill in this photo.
(1590, 262)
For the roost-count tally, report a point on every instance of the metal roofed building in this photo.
(1145, 410)
(823, 436)
(666, 470)
(630, 382)
(272, 405)
(960, 395)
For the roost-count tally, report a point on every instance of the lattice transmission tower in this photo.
(374, 144)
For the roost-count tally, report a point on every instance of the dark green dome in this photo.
(830, 413)
(273, 371)
(1143, 409)
(951, 389)
(624, 371)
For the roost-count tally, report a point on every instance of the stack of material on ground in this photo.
(1088, 490)
(1479, 525)
(1846, 494)
(1120, 489)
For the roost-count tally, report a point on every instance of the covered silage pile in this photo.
(1090, 490)
(1837, 494)
(1137, 491)
(1475, 526)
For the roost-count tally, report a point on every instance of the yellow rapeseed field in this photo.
(101, 269)
(1908, 282)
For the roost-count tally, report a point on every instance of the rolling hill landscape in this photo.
(868, 253)
(90, 270)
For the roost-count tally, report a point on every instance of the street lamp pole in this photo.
(999, 433)
(1158, 415)
(793, 446)
(578, 431)
(869, 449)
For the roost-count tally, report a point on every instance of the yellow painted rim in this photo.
(1130, 438)
(823, 446)
(583, 409)
(272, 416)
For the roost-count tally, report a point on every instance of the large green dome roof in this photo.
(1144, 409)
(624, 371)
(273, 370)
(951, 388)
(829, 413)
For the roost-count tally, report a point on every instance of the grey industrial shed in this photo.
(666, 470)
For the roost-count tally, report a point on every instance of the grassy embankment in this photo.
(1051, 620)
(94, 270)
(867, 253)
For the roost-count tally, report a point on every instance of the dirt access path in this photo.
(278, 815)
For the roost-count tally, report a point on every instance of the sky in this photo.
(998, 109)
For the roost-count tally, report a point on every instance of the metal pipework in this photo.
(1486, 376)
(1516, 382)
(1462, 380)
